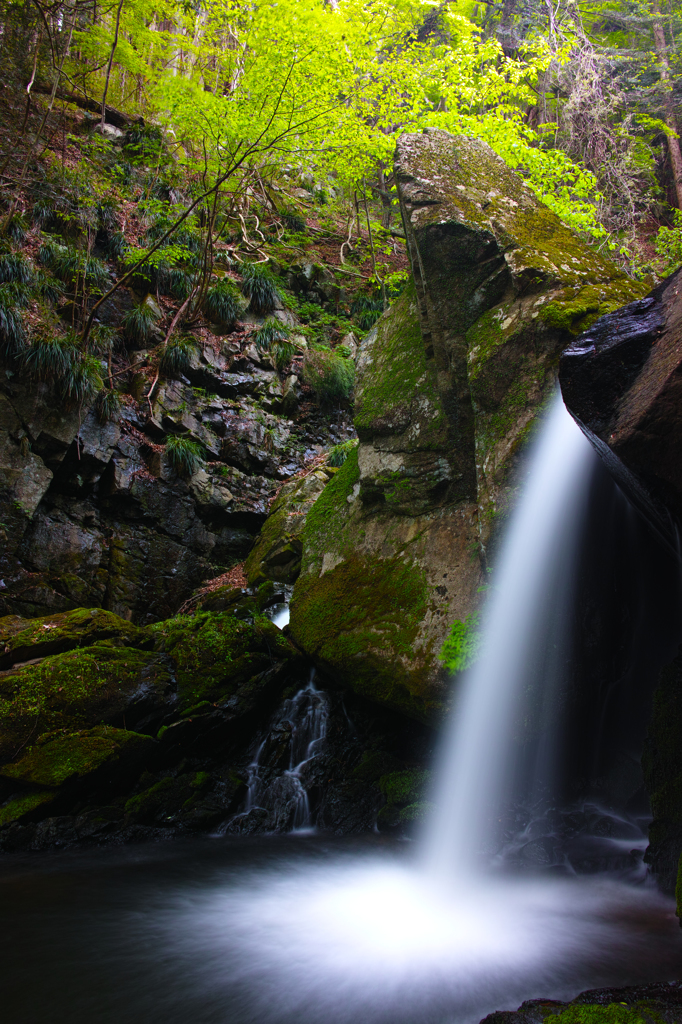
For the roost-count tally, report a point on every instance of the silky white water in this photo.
(423, 934)
(524, 629)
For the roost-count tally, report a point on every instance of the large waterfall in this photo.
(525, 650)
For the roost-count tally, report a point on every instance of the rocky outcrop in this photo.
(622, 381)
(650, 1002)
(115, 732)
(93, 513)
(449, 388)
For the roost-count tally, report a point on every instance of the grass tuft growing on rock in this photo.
(222, 304)
(178, 354)
(183, 455)
(138, 324)
(260, 287)
(331, 376)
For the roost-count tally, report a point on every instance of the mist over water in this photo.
(312, 929)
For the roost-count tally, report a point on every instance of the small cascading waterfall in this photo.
(297, 734)
(520, 673)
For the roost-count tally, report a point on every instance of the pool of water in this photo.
(308, 929)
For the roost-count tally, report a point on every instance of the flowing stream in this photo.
(307, 928)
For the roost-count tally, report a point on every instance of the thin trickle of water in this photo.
(300, 726)
(523, 656)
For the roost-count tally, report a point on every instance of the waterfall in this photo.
(524, 652)
(297, 733)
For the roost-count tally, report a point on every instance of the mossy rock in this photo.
(362, 618)
(276, 554)
(62, 766)
(26, 639)
(78, 689)
(60, 758)
(217, 654)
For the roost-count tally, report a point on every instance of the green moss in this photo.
(461, 646)
(398, 378)
(590, 1013)
(374, 764)
(364, 617)
(326, 519)
(20, 806)
(404, 787)
(63, 757)
(77, 689)
(24, 639)
(216, 652)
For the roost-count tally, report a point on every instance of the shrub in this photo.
(340, 452)
(330, 375)
(282, 353)
(83, 379)
(108, 405)
(51, 357)
(116, 245)
(260, 287)
(16, 227)
(178, 354)
(462, 644)
(366, 311)
(47, 287)
(68, 264)
(14, 267)
(102, 338)
(138, 323)
(42, 212)
(184, 456)
(271, 333)
(293, 220)
(106, 214)
(12, 332)
(222, 304)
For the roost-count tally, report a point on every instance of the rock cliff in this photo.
(450, 385)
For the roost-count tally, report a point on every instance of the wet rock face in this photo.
(622, 381)
(449, 386)
(92, 513)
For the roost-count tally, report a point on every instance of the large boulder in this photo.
(450, 385)
(622, 382)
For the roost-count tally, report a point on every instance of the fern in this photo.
(462, 644)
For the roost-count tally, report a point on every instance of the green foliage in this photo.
(183, 455)
(340, 452)
(222, 304)
(668, 244)
(272, 332)
(12, 331)
(282, 352)
(58, 359)
(16, 227)
(138, 323)
(178, 354)
(107, 405)
(260, 287)
(331, 376)
(293, 220)
(15, 268)
(614, 1013)
(366, 311)
(462, 644)
(73, 265)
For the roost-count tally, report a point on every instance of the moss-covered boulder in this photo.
(26, 639)
(63, 765)
(219, 658)
(503, 286)
(276, 554)
(450, 385)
